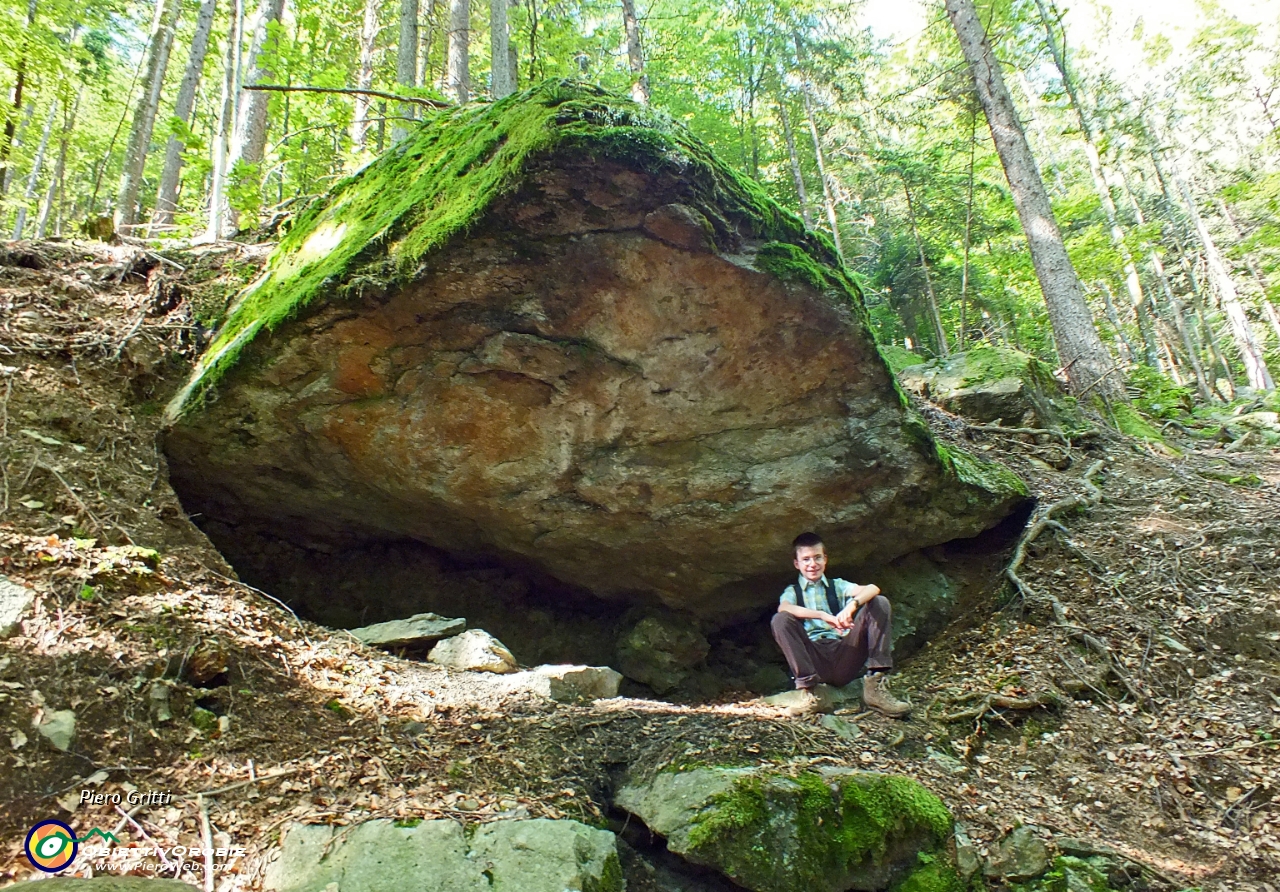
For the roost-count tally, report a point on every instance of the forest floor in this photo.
(1147, 722)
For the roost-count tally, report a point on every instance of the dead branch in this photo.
(1030, 431)
(351, 91)
(999, 701)
(206, 843)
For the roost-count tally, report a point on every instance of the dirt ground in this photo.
(1144, 719)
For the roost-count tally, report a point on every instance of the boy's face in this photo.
(811, 561)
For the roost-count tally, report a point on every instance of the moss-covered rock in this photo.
(992, 384)
(835, 829)
(556, 333)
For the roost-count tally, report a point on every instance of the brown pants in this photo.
(837, 661)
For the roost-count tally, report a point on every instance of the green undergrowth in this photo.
(848, 824)
(379, 226)
(988, 475)
(900, 358)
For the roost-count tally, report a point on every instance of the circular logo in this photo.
(51, 845)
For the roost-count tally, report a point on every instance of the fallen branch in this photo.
(258, 779)
(75, 498)
(351, 91)
(999, 701)
(1030, 431)
(206, 843)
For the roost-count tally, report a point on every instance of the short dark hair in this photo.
(806, 540)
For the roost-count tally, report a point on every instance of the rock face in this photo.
(516, 856)
(555, 332)
(991, 384)
(827, 831)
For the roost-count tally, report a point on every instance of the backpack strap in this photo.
(833, 604)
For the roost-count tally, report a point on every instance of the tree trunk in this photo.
(364, 78)
(19, 83)
(797, 175)
(1273, 316)
(503, 77)
(251, 110)
(1085, 359)
(1250, 350)
(939, 333)
(1127, 350)
(1133, 284)
(635, 53)
(406, 63)
(459, 63)
(167, 193)
(144, 114)
(34, 178)
(60, 166)
(218, 212)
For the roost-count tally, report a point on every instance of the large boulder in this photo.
(812, 831)
(536, 855)
(556, 333)
(992, 384)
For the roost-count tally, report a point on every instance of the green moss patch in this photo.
(807, 832)
(987, 475)
(377, 228)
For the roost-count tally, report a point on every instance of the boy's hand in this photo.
(844, 619)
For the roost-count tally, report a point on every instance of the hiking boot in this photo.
(804, 702)
(876, 696)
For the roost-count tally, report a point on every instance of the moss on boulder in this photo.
(990, 383)
(774, 831)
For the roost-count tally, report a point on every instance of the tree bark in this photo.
(939, 333)
(251, 111)
(33, 178)
(19, 83)
(635, 53)
(459, 61)
(144, 114)
(797, 176)
(503, 77)
(218, 212)
(406, 62)
(1133, 283)
(1086, 361)
(167, 193)
(364, 78)
(60, 166)
(1250, 350)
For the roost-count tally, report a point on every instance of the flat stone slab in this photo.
(419, 629)
(59, 728)
(15, 601)
(537, 855)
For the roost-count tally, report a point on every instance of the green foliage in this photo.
(1158, 396)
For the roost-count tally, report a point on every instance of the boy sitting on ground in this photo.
(831, 632)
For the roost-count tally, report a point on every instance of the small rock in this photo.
(968, 858)
(206, 663)
(565, 684)
(159, 697)
(951, 764)
(59, 728)
(1019, 856)
(419, 629)
(15, 601)
(474, 650)
(825, 694)
(846, 730)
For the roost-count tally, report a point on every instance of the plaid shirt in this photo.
(815, 598)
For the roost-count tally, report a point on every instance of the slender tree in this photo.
(1086, 361)
(144, 115)
(167, 193)
(503, 74)
(364, 79)
(459, 62)
(797, 176)
(406, 62)
(15, 109)
(37, 164)
(635, 53)
(218, 211)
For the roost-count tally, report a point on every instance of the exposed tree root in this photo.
(1093, 495)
